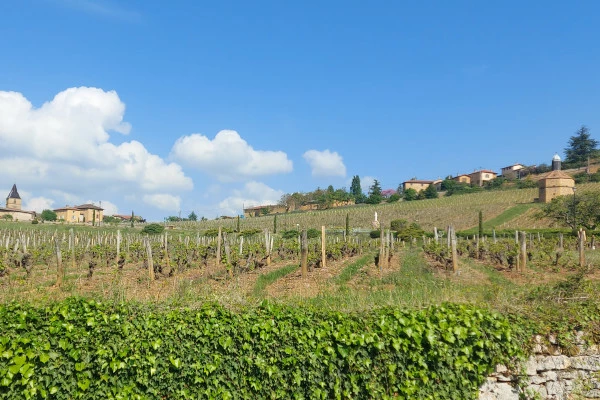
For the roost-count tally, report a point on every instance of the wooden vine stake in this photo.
(304, 253)
(228, 256)
(150, 260)
(118, 246)
(323, 241)
(60, 272)
(219, 247)
(72, 241)
(523, 251)
(581, 236)
(454, 253)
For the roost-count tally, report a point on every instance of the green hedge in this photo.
(84, 349)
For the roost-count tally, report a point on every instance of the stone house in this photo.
(80, 214)
(511, 170)
(13, 208)
(416, 184)
(463, 178)
(478, 178)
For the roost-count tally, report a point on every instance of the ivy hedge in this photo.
(84, 349)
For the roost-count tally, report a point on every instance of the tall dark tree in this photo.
(355, 188)
(480, 223)
(431, 192)
(193, 216)
(375, 196)
(581, 146)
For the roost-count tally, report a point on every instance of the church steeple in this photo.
(13, 201)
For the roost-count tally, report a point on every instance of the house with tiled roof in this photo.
(85, 213)
(478, 178)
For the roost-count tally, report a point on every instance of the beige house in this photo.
(464, 178)
(555, 183)
(13, 210)
(512, 169)
(417, 184)
(85, 213)
(264, 210)
(478, 178)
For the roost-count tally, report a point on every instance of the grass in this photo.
(350, 270)
(265, 280)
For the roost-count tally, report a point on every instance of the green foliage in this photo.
(313, 233)
(192, 217)
(84, 349)
(215, 232)
(355, 189)
(275, 224)
(109, 219)
(374, 234)
(248, 232)
(431, 192)
(290, 234)
(574, 211)
(581, 146)
(48, 215)
(153, 229)
(526, 183)
(410, 194)
(7, 217)
(480, 233)
(394, 198)
(347, 225)
(375, 196)
(35, 222)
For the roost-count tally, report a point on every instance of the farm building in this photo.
(264, 210)
(13, 209)
(478, 178)
(511, 170)
(416, 184)
(555, 183)
(80, 214)
(463, 178)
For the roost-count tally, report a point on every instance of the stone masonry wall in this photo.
(549, 374)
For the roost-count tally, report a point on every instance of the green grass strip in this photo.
(349, 271)
(504, 217)
(265, 280)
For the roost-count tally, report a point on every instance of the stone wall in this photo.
(548, 374)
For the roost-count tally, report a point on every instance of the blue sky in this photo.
(122, 101)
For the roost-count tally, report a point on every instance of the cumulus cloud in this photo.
(228, 157)
(366, 182)
(109, 207)
(325, 163)
(64, 146)
(166, 202)
(252, 194)
(38, 204)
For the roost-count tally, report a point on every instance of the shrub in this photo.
(291, 234)
(313, 233)
(248, 232)
(394, 198)
(153, 229)
(34, 222)
(48, 215)
(375, 234)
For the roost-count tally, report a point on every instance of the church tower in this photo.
(13, 201)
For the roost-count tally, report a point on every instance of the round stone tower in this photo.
(555, 183)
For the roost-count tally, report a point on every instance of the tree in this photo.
(394, 198)
(48, 215)
(375, 196)
(431, 192)
(581, 146)
(193, 216)
(582, 210)
(132, 218)
(153, 229)
(480, 223)
(410, 194)
(355, 188)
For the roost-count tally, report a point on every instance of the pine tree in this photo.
(581, 146)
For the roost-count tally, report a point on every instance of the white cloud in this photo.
(63, 147)
(163, 201)
(38, 204)
(366, 182)
(109, 207)
(252, 194)
(325, 163)
(229, 157)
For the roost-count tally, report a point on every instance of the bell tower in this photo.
(13, 201)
